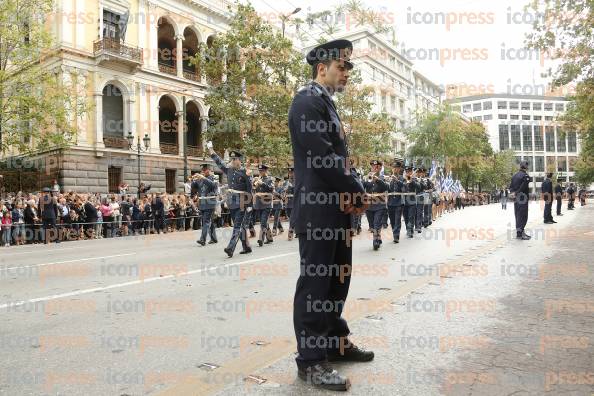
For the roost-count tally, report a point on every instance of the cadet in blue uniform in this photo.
(239, 195)
(428, 199)
(264, 187)
(277, 206)
(376, 187)
(520, 187)
(396, 199)
(411, 186)
(206, 189)
(288, 193)
(420, 191)
(547, 195)
(326, 194)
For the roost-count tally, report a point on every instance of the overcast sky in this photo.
(482, 48)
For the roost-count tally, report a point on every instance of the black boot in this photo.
(324, 377)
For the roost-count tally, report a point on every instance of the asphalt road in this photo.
(161, 315)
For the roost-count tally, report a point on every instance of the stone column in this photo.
(98, 120)
(81, 119)
(179, 40)
(203, 129)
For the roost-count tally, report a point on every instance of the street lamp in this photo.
(285, 18)
(139, 148)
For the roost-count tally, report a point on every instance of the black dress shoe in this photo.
(228, 251)
(201, 243)
(351, 354)
(397, 240)
(559, 214)
(260, 243)
(376, 245)
(268, 241)
(523, 236)
(246, 251)
(324, 377)
(211, 242)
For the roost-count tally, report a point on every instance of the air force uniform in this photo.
(207, 190)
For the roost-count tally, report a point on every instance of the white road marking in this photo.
(66, 261)
(135, 282)
(39, 250)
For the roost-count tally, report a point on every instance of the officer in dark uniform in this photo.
(420, 191)
(326, 194)
(411, 186)
(355, 218)
(277, 206)
(428, 199)
(239, 195)
(570, 197)
(288, 193)
(547, 195)
(396, 199)
(520, 187)
(49, 213)
(376, 187)
(559, 197)
(206, 191)
(264, 187)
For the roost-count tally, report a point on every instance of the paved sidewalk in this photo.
(509, 318)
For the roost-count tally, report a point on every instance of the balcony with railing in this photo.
(118, 142)
(167, 68)
(109, 50)
(168, 148)
(194, 151)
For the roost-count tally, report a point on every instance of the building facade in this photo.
(529, 126)
(132, 59)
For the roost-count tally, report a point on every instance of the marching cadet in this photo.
(420, 191)
(428, 199)
(396, 199)
(288, 192)
(320, 157)
(277, 206)
(520, 187)
(376, 188)
(571, 197)
(411, 186)
(239, 195)
(264, 187)
(207, 190)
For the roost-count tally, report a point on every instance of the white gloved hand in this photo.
(249, 209)
(209, 145)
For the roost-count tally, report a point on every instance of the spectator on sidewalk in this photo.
(49, 213)
(107, 212)
(6, 228)
(91, 218)
(18, 223)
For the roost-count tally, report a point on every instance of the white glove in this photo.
(249, 209)
(209, 145)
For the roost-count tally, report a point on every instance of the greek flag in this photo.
(449, 182)
(456, 188)
(433, 170)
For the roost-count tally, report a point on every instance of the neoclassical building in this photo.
(125, 52)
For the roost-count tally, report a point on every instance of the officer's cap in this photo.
(262, 167)
(524, 164)
(235, 154)
(336, 50)
(398, 162)
(375, 162)
(408, 168)
(205, 166)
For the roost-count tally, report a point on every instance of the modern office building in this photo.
(529, 126)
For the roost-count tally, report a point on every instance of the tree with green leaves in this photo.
(253, 72)
(36, 104)
(457, 144)
(565, 33)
